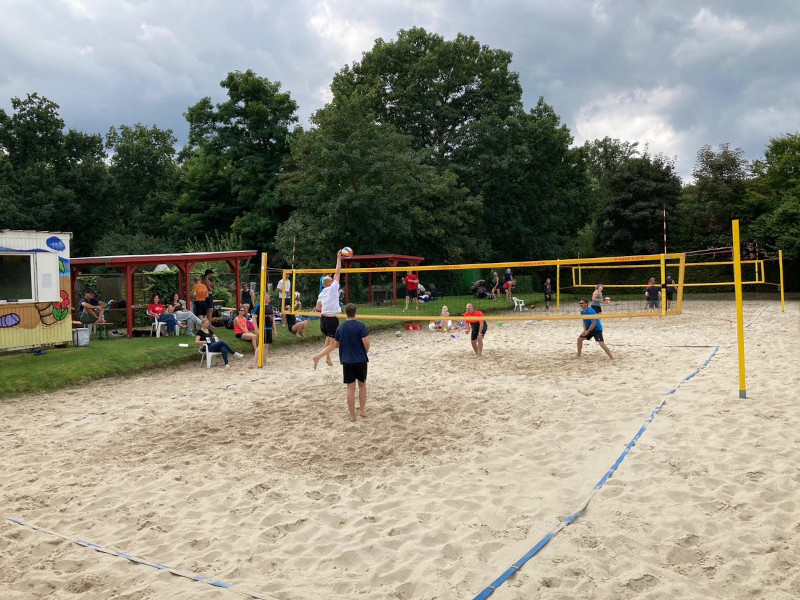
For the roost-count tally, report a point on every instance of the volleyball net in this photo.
(633, 286)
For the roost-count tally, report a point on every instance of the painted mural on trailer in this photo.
(34, 289)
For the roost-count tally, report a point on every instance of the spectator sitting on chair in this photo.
(92, 309)
(159, 313)
(245, 329)
(186, 318)
(206, 338)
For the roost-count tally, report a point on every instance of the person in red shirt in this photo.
(412, 288)
(479, 327)
(157, 311)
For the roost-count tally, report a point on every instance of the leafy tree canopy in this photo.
(631, 221)
(360, 183)
(235, 152)
(430, 88)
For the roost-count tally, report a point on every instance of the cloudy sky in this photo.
(673, 74)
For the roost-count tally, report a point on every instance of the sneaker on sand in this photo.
(227, 366)
(238, 355)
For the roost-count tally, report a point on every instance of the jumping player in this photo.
(329, 309)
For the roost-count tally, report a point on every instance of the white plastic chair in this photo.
(207, 355)
(156, 326)
(519, 304)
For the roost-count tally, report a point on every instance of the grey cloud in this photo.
(724, 71)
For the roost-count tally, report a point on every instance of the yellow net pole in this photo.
(663, 285)
(681, 272)
(558, 287)
(737, 276)
(780, 266)
(261, 294)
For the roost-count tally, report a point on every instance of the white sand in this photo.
(258, 479)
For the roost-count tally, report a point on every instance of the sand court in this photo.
(257, 479)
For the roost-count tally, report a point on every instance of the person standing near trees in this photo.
(548, 293)
(412, 288)
(597, 298)
(199, 295)
(206, 280)
(670, 290)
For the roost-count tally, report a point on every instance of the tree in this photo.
(144, 177)
(775, 195)
(432, 89)
(604, 159)
(235, 152)
(534, 186)
(50, 180)
(361, 183)
(631, 221)
(460, 104)
(717, 197)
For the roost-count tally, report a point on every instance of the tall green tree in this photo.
(717, 197)
(236, 149)
(144, 175)
(51, 180)
(774, 199)
(631, 221)
(361, 183)
(430, 88)
(460, 104)
(534, 186)
(604, 159)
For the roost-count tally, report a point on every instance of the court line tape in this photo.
(139, 561)
(758, 316)
(488, 591)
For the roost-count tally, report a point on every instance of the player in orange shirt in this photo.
(479, 327)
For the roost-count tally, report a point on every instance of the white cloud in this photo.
(638, 115)
(343, 38)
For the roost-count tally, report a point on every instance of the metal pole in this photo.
(780, 264)
(737, 278)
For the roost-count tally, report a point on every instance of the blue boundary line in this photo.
(139, 561)
(488, 591)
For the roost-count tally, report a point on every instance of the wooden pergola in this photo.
(371, 260)
(185, 261)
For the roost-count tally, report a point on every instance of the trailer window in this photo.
(16, 278)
